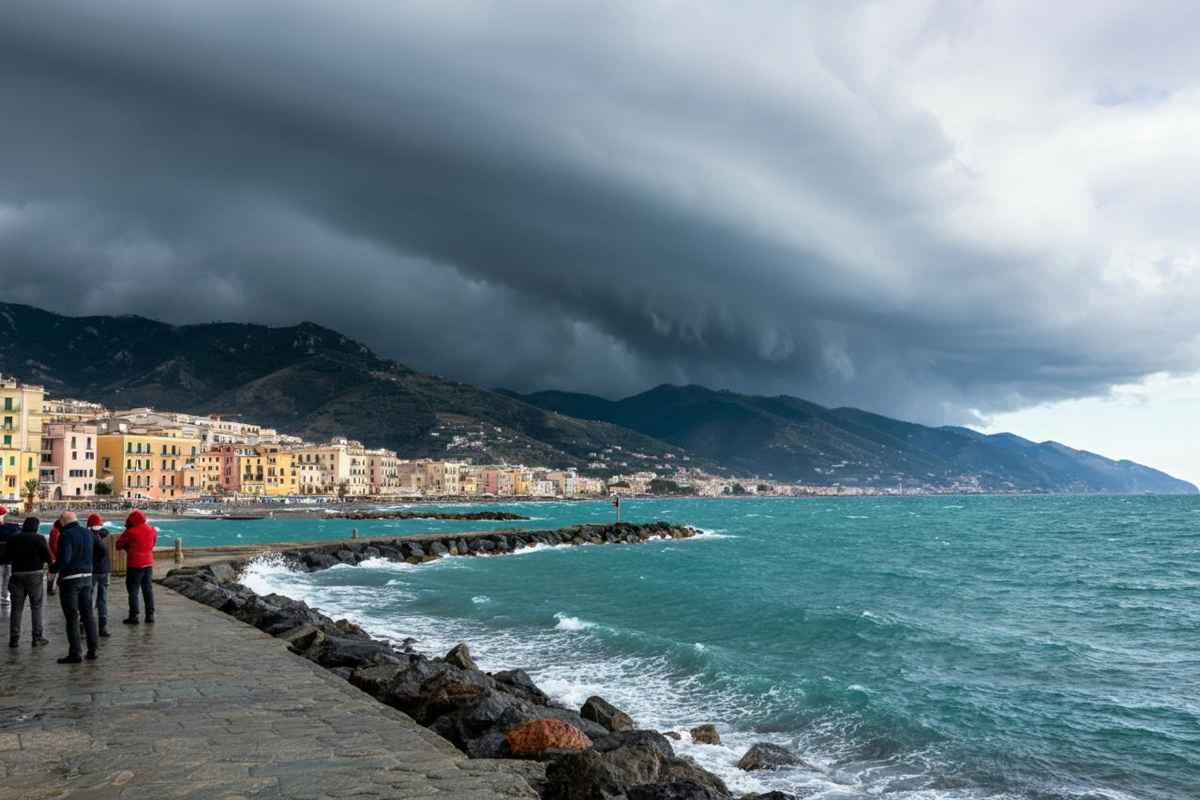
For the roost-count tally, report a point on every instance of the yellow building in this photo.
(20, 436)
(269, 470)
(151, 463)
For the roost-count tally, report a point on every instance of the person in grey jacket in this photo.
(29, 555)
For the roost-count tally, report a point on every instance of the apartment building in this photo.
(68, 460)
(20, 436)
(268, 470)
(343, 465)
(67, 410)
(150, 463)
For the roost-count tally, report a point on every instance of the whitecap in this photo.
(480, 599)
(566, 623)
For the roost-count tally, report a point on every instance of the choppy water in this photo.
(983, 647)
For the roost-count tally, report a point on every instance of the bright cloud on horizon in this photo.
(953, 212)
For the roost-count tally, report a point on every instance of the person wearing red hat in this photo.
(138, 543)
(7, 531)
(101, 567)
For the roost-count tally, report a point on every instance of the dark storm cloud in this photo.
(594, 196)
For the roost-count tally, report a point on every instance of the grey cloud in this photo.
(595, 197)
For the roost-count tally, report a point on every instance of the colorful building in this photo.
(20, 436)
(150, 463)
(268, 470)
(68, 463)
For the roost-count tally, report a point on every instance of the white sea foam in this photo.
(566, 623)
(712, 534)
(857, 516)
(480, 599)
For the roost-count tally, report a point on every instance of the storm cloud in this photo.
(931, 209)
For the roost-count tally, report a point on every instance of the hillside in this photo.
(306, 380)
(791, 439)
(314, 382)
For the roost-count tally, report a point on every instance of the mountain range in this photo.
(314, 382)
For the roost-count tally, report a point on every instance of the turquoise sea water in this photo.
(977, 647)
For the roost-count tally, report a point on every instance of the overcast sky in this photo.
(945, 211)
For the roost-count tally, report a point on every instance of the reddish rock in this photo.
(531, 739)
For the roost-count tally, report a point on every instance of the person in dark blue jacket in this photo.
(76, 554)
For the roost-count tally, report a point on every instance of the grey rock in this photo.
(460, 656)
(765, 755)
(705, 734)
(604, 713)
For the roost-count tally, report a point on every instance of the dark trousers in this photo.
(75, 595)
(100, 593)
(25, 586)
(139, 579)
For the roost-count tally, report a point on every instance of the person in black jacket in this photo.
(7, 531)
(29, 554)
(76, 553)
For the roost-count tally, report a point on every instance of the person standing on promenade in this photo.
(29, 555)
(55, 532)
(100, 572)
(7, 531)
(138, 543)
(76, 552)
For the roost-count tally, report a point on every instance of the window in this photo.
(7, 440)
(73, 445)
(108, 463)
(8, 404)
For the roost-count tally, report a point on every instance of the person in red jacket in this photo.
(138, 543)
(55, 532)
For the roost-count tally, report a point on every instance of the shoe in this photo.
(131, 621)
(41, 642)
(70, 660)
(103, 632)
(149, 619)
(13, 643)
(91, 655)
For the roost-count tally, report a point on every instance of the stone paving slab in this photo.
(200, 705)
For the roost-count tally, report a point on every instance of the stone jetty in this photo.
(593, 753)
(469, 516)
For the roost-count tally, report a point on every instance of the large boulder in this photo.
(518, 682)
(623, 739)
(676, 790)
(620, 761)
(338, 651)
(460, 656)
(705, 734)
(765, 755)
(604, 713)
(769, 796)
(532, 739)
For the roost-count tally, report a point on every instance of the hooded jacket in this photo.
(103, 559)
(28, 549)
(138, 541)
(76, 551)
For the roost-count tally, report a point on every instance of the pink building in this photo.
(68, 466)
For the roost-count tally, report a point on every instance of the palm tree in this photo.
(31, 492)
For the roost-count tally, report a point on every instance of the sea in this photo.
(1032, 648)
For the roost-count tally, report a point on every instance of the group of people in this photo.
(74, 562)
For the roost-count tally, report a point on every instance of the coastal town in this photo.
(60, 449)
(57, 449)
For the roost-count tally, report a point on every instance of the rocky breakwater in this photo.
(468, 516)
(595, 753)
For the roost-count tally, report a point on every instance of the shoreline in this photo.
(486, 715)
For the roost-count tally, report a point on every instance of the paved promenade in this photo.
(202, 706)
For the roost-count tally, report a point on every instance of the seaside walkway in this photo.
(202, 706)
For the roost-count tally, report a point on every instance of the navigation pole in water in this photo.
(616, 501)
